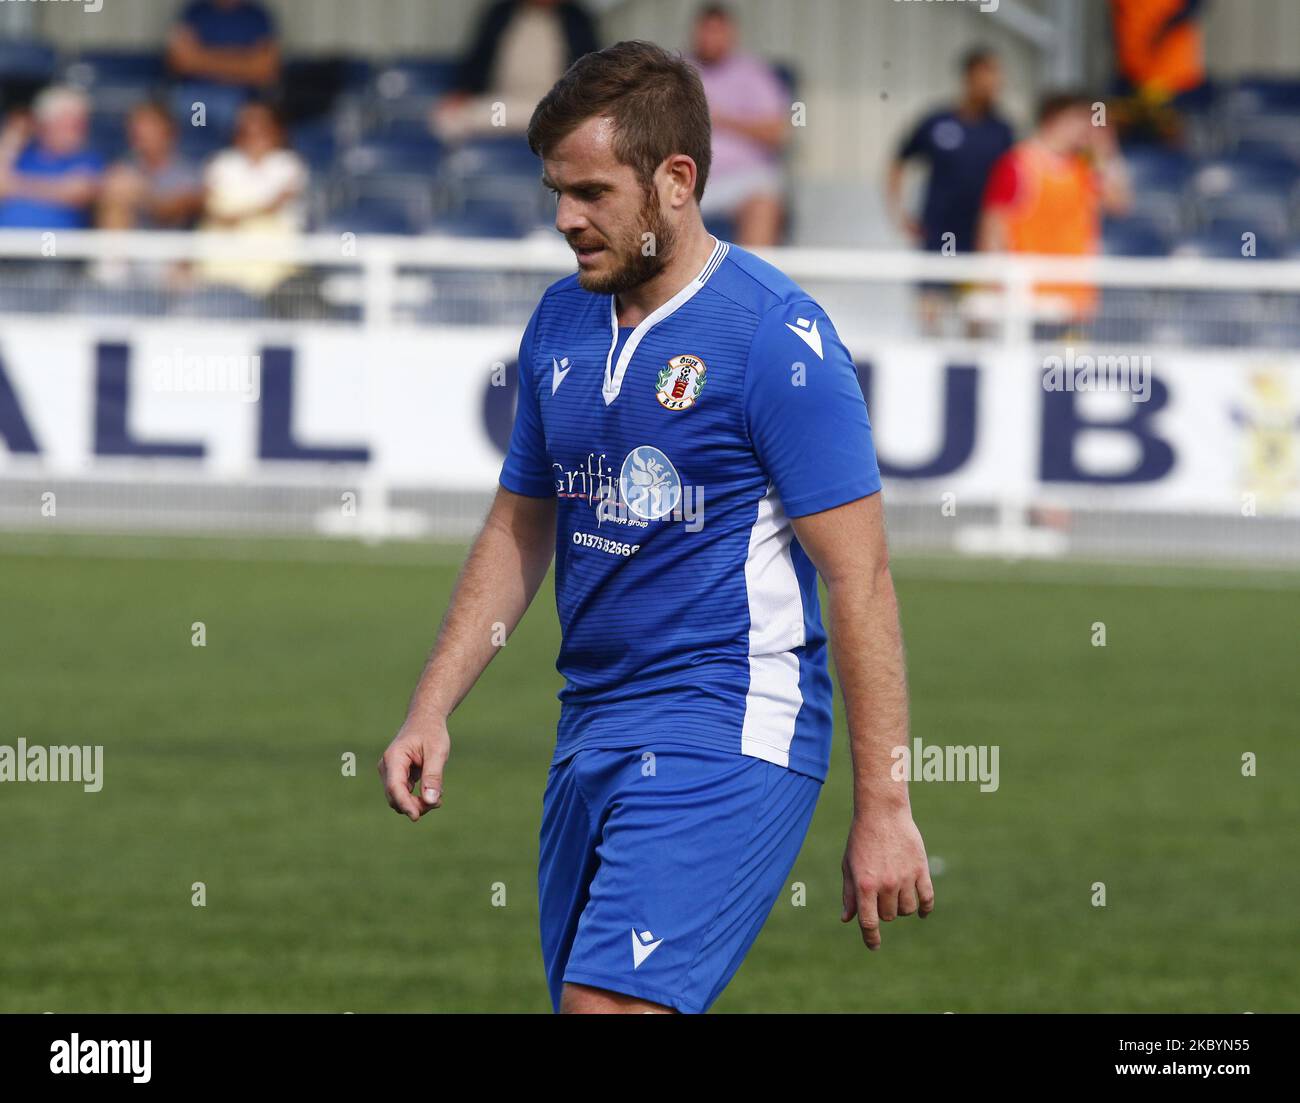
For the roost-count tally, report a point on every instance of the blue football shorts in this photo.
(659, 864)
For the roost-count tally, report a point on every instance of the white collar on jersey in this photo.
(614, 372)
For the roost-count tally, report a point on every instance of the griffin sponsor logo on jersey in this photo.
(649, 483)
(680, 382)
(645, 488)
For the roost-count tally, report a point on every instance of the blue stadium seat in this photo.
(95, 68)
(1222, 241)
(416, 77)
(1160, 181)
(1135, 237)
(408, 87)
(1262, 213)
(373, 215)
(496, 174)
(316, 143)
(1157, 167)
(382, 155)
(396, 131)
(1200, 100)
(389, 169)
(1256, 171)
(321, 86)
(481, 218)
(117, 80)
(358, 74)
(221, 105)
(1269, 137)
(494, 157)
(1254, 95)
(1252, 190)
(27, 59)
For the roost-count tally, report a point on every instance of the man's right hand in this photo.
(415, 760)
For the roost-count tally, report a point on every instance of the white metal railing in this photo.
(545, 252)
(378, 259)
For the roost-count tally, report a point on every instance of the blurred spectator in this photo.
(155, 187)
(520, 48)
(227, 42)
(1048, 194)
(1160, 59)
(49, 181)
(750, 107)
(1158, 45)
(256, 187)
(223, 52)
(959, 145)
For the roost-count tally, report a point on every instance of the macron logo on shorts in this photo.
(643, 945)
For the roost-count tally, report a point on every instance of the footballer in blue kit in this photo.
(692, 449)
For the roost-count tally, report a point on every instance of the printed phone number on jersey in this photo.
(601, 543)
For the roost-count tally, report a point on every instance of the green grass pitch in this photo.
(223, 764)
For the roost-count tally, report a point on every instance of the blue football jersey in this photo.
(678, 451)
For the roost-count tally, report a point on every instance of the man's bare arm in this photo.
(885, 869)
(991, 234)
(772, 132)
(258, 64)
(500, 578)
(894, 201)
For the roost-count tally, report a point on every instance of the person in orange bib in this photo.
(1048, 193)
(1158, 47)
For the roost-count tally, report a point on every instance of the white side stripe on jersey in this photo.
(776, 624)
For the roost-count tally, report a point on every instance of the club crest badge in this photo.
(680, 382)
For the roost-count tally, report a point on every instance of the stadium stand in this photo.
(362, 129)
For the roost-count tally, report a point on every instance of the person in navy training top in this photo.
(49, 178)
(959, 145)
(223, 53)
(692, 449)
(227, 42)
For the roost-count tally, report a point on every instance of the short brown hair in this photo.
(1055, 102)
(655, 99)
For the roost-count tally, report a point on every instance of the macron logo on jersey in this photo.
(643, 947)
(806, 331)
(557, 376)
